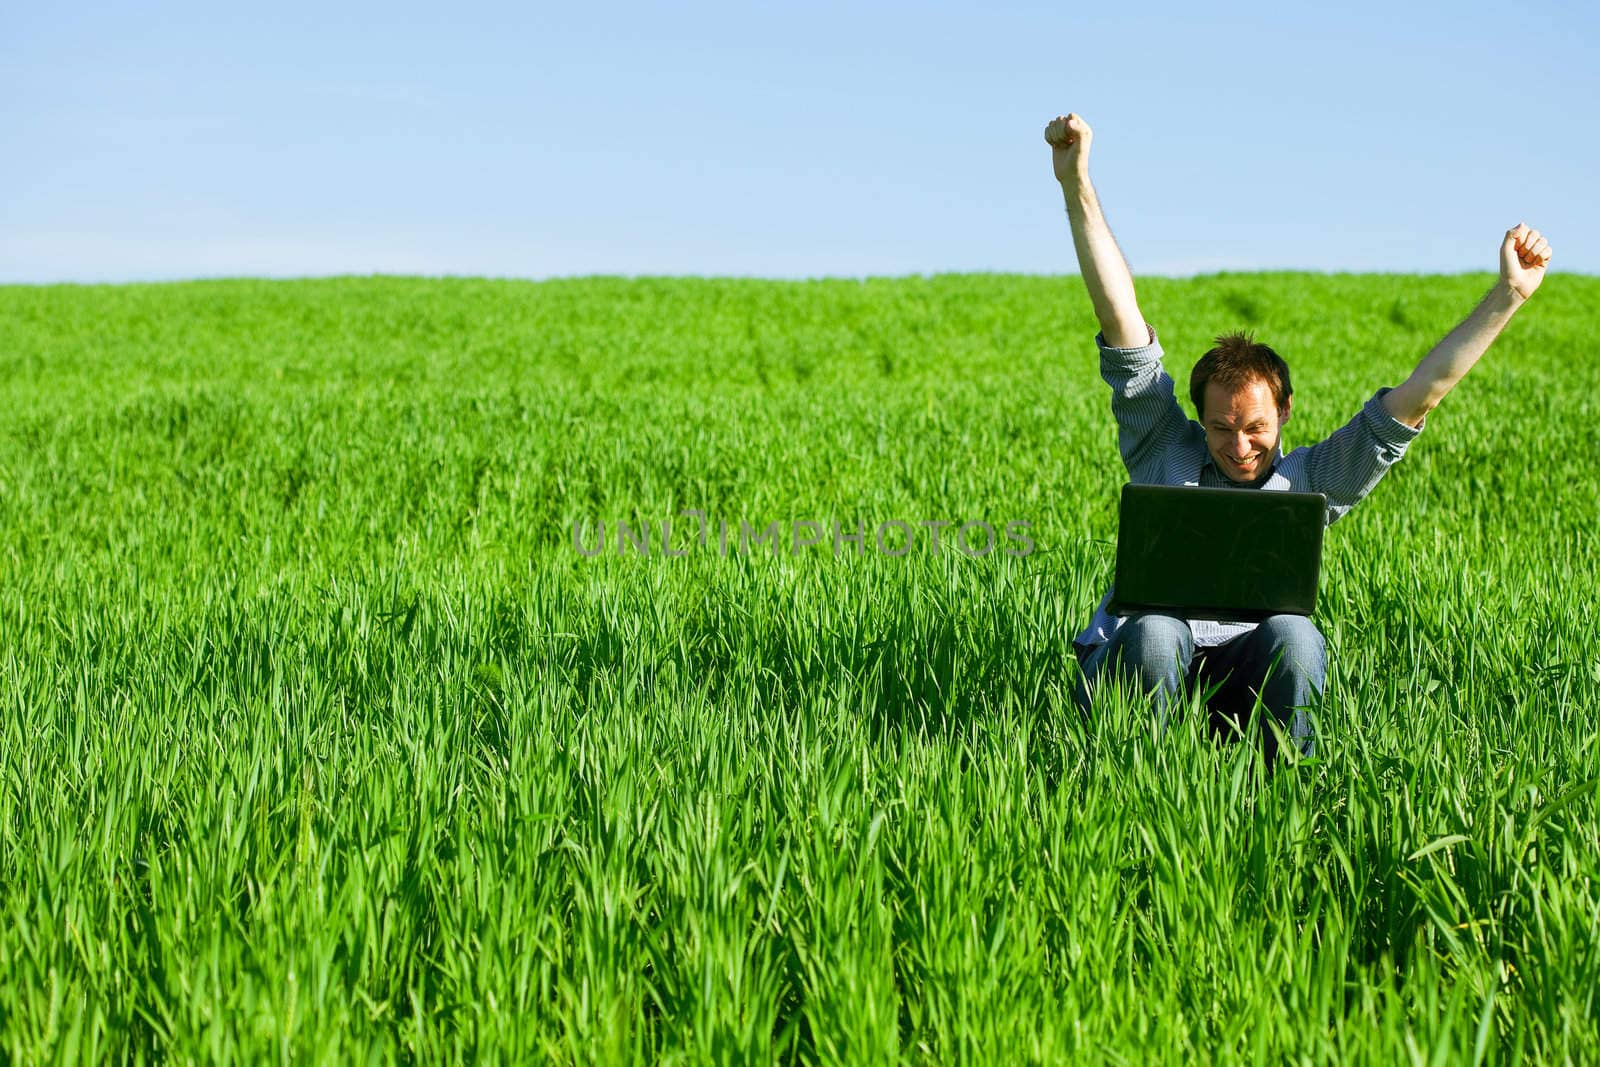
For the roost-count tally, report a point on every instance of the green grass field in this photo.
(321, 742)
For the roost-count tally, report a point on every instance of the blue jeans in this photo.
(1283, 659)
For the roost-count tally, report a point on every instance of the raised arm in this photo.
(1105, 272)
(1524, 255)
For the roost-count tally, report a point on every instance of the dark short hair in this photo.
(1237, 361)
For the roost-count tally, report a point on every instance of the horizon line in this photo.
(687, 276)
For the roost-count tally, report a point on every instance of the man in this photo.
(1242, 396)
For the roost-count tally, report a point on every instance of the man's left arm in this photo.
(1524, 254)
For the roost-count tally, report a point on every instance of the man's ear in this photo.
(1283, 412)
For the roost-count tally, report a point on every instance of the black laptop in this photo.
(1235, 555)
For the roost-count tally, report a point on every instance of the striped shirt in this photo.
(1162, 446)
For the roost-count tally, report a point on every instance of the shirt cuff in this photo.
(1136, 353)
(1385, 427)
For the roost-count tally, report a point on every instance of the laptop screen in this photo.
(1226, 554)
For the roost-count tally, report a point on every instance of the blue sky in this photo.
(785, 140)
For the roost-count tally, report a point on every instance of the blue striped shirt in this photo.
(1162, 446)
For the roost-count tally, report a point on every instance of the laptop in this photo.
(1234, 555)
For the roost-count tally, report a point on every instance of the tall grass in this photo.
(322, 742)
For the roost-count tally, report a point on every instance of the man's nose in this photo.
(1241, 446)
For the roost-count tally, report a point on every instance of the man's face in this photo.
(1242, 429)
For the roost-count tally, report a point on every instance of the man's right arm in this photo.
(1149, 421)
(1105, 272)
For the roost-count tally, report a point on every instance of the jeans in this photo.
(1283, 659)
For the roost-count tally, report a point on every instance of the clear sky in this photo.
(164, 140)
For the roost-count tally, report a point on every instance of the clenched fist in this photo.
(1069, 137)
(1523, 257)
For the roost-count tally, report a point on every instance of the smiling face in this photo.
(1242, 428)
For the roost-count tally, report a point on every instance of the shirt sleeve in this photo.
(1349, 464)
(1149, 420)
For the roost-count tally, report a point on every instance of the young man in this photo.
(1242, 396)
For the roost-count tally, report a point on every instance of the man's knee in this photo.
(1158, 633)
(1158, 646)
(1295, 644)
